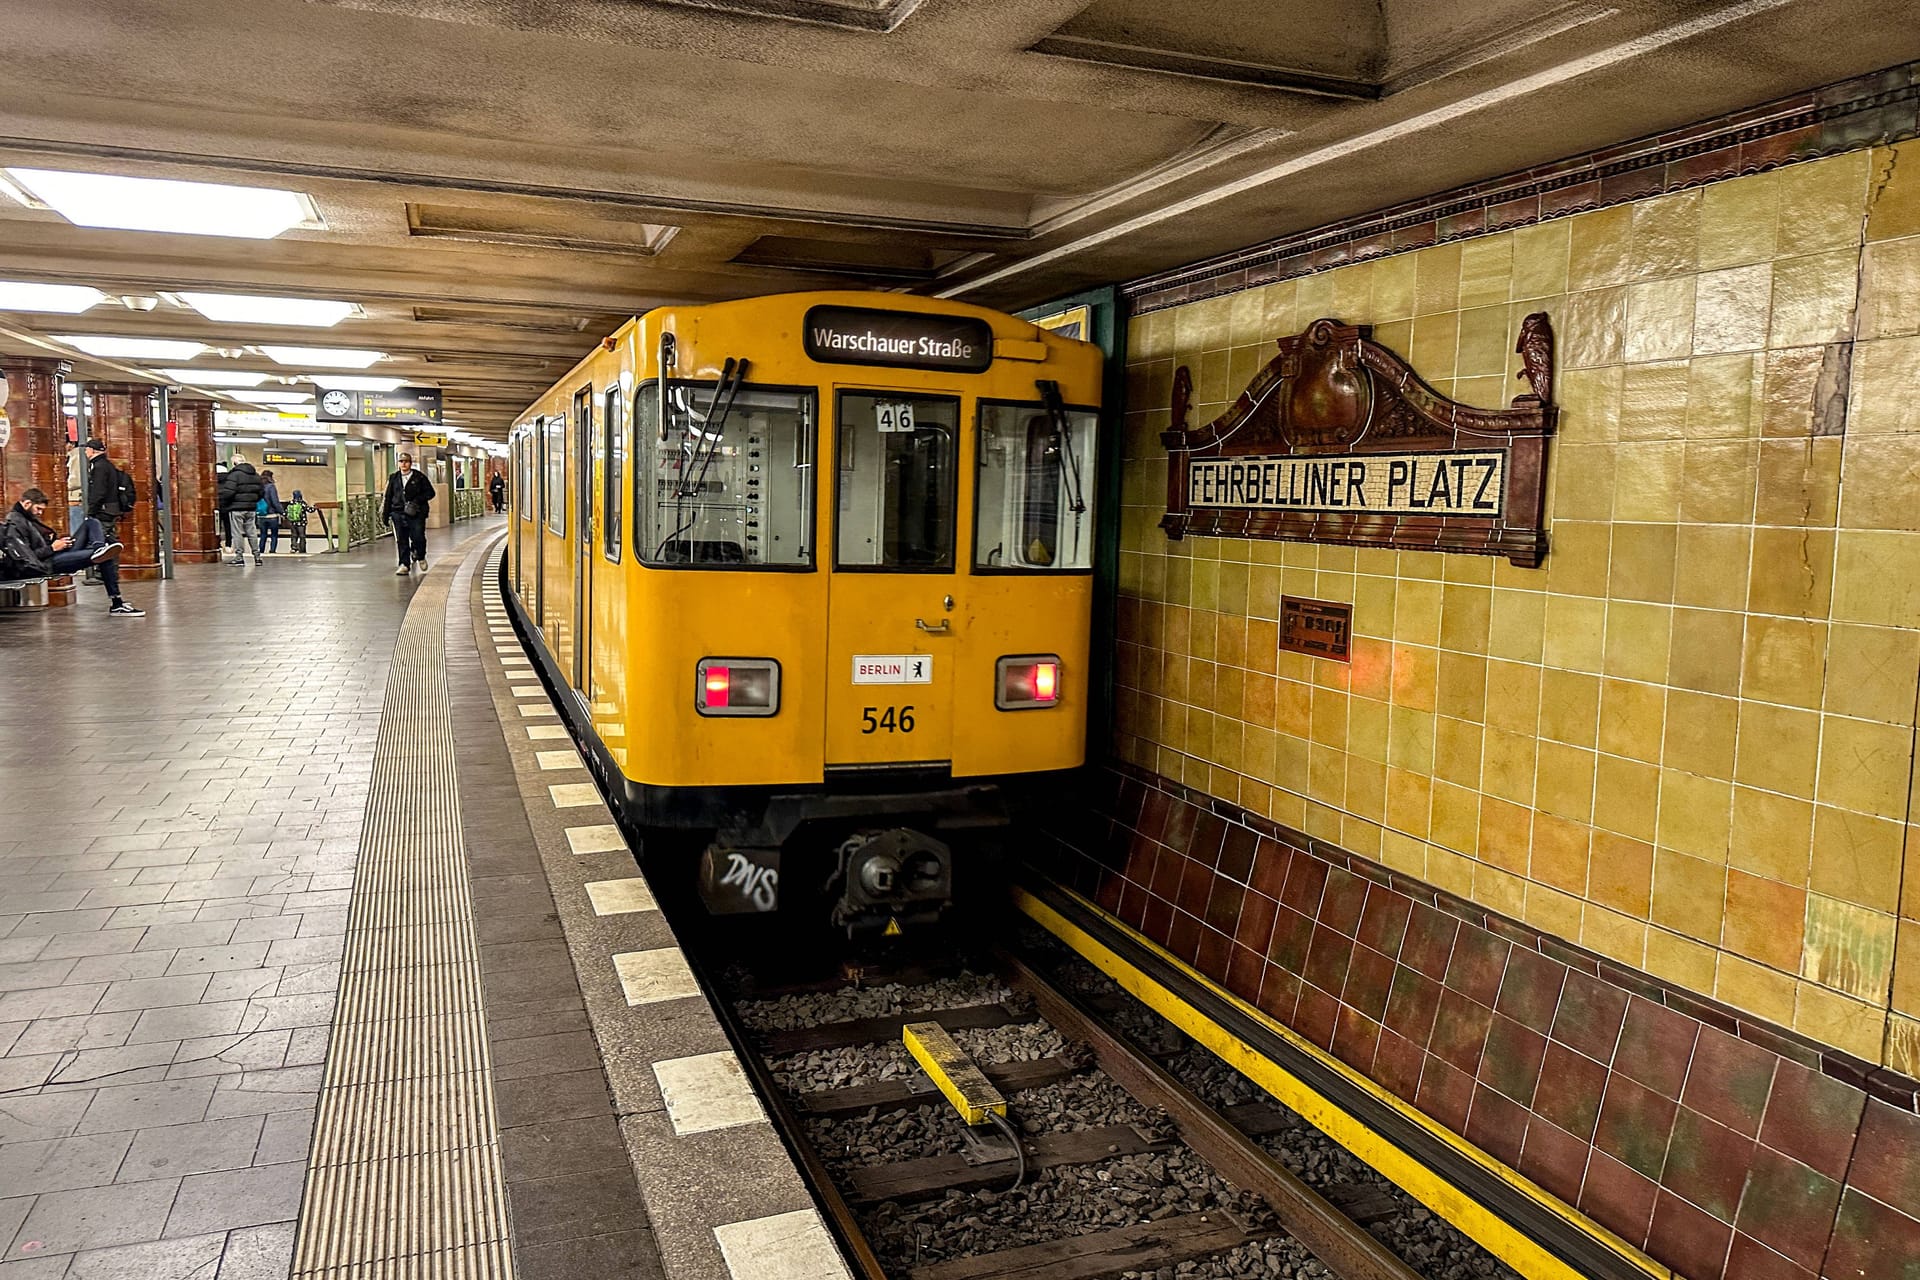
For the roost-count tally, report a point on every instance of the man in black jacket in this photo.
(103, 488)
(29, 548)
(497, 490)
(408, 493)
(239, 495)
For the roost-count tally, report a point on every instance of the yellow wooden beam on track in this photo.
(947, 1064)
(1484, 1227)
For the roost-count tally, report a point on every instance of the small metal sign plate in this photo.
(1317, 628)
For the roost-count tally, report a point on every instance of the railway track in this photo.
(1110, 1165)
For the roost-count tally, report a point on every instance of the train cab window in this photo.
(1034, 498)
(553, 493)
(729, 483)
(614, 423)
(897, 460)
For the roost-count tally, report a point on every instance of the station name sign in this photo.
(1382, 484)
(403, 406)
(897, 339)
(1337, 439)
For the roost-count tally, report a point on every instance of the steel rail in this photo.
(1335, 1239)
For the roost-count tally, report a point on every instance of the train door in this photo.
(539, 541)
(585, 457)
(893, 610)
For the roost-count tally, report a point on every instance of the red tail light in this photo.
(737, 687)
(1027, 682)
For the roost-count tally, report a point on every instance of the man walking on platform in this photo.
(497, 490)
(405, 508)
(240, 494)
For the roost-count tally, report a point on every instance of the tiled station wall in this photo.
(1662, 787)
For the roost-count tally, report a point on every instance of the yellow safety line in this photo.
(1486, 1228)
(965, 1085)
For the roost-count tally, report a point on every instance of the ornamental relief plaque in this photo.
(1337, 439)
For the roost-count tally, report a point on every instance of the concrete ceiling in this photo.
(503, 181)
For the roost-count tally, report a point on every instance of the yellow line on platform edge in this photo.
(1454, 1205)
(949, 1067)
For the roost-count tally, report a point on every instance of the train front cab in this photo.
(836, 614)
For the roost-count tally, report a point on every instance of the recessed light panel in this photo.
(274, 397)
(116, 203)
(133, 348)
(323, 357)
(244, 308)
(60, 299)
(352, 382)
(215, 377)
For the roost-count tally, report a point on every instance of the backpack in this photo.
(296, 512)
(124, 494)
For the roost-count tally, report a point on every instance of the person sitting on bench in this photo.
(30, 548)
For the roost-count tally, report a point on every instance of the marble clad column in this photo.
(196, 536)
(122, 417)
(35, 455)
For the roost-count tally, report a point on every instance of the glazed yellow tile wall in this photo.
(1687, 741)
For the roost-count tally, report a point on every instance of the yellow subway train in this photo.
(816, 569)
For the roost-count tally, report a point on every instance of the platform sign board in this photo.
(430, 439)
(286, 458)
(403, 406)
(1317, 628)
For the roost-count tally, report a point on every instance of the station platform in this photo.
(320, 956)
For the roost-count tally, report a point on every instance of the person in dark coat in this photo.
(270, 518)
(28, 548)
(497, 489)
(103, 488)
(239, 495)
(408, 494)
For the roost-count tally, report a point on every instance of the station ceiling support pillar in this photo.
(35, 453)
(196, 532)
(123, 419)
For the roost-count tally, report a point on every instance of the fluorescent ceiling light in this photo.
(316, 440)
(274, 397)
(164, 204)
(66, 299)
(352, 382)
(215, 377)
(324, 357)
(239, 439)
(134, 348)
(245, 308)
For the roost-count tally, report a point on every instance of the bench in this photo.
(25, 593)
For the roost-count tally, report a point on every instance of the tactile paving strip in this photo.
(404, 1181)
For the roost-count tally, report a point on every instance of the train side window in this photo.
(898, 455)
(523, 475)
(553, 493)
(1033, 503)
(614, 421)
(729, 483)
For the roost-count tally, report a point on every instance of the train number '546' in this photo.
(892, 719)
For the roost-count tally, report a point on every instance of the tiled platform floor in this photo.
(180, 804)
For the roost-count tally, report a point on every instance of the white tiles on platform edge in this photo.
(574, 795)
(551, 760)
(706, 1092)
(620, 897)
(651, 976)
(528, 690)
(531, 710)
(786, 1246)
(544, 732)
(602, 837)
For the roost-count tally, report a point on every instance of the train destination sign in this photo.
(402, 406)
(288, 458)
(1388, 484)
(898, 339)
(1338, 439)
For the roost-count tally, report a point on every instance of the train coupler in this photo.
(891, 880)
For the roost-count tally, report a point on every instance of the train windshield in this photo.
(729, 483)
(1035, 492)
(897, 461)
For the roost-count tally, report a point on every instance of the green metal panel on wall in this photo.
(1104, 325)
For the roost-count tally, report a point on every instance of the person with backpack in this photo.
(240, 495)
(408, 495)
(270, 509)
(297, 524)
(28, 548)
(111, 494)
